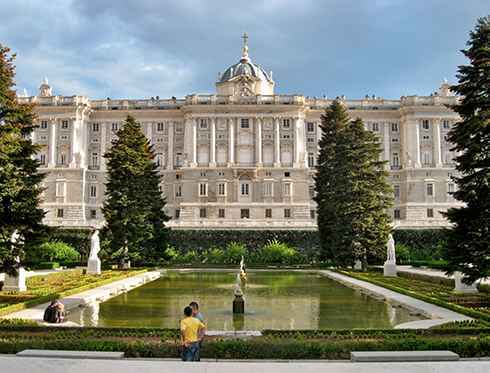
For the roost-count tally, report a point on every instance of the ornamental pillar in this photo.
(436, 144)
(170, 146)
(258, 142)
(277, 143)
(231, 141)
(52, 143)
(212, 145)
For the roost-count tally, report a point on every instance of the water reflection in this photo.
(274, 300)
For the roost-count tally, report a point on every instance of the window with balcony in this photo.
(286, 123)
(395, 161)
(44, 124)
(42, 159)
(115, 127)
(445, 124)
(311, 160)
(160, 127)
(95, 160)
(203, 124)
(375, 127)
(95, 127)
(268, 189)
(394, 127)
(286, 189)
(221, 189)
(244, 189)
(430, 190)
(425, 124)
(64, 124)
(93, 191)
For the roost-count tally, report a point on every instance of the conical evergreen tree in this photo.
(20, 181)
(468, 248)
(133, 207)
(352, 192)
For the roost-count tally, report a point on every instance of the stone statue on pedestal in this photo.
(461, 287)
(93, 265)
(389, 268)
(15, 283)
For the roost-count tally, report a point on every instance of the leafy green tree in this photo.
(468, 244)
(352, 191)
(20, 181)
(133, 208)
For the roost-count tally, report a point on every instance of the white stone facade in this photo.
(242, 158)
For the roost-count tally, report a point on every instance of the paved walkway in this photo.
(430, 272)
(438, 315)
(99, 294)
(13, 364)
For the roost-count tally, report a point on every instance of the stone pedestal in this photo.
(462, 288)
(238, 304)
(93, 267)
(389, 269)
(358, 265)
(17, 283)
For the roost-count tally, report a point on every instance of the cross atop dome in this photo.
(245, 47)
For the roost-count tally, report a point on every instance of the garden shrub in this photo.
(234, 252)
(55, 251)
(275, 252)
(214, 255)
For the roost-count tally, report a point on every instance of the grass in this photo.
(57, 285)
(439, 293)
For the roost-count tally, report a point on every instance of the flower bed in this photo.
(431, 291)
(42, 289)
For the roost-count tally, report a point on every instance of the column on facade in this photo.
(386, 144)
(231, 141)
(298, 160)
(417, 144)
(194, 142)
(52, 143)
(436, 144)
(103, 144)
(212, 144)
(187, 141)
(170, 146)
(277, 143)
(411, 144)
(258, 141)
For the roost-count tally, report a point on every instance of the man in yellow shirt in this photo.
(190, 331)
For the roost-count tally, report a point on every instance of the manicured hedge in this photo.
(290, 345)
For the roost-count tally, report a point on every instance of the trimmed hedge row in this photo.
(422, 243)
(258, 348)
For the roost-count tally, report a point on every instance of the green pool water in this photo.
(273, 300)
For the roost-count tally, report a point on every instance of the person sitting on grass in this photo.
(190, 330)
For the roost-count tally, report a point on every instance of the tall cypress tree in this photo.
(20, 181)
(352, 191)
(468, 248)
(133, 207)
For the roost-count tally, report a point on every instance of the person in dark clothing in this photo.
(54, 313)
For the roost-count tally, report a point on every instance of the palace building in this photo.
(242, 157)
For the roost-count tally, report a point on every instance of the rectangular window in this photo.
(93, 214)
(286, 189)
(178, 190)
(42, 159)
(95, 159)
(202, 212)
(93, 191)
(312, 214)
(245, 213)
(268, 213)
(396, 191)
(430, 189)
(425, 124)
(287, 213)
(430, 213)
(177, 213)
(445, 124)
(375, 126)
(244, 123)
(268, 189)
(59, 213)
(394, 127)
(203, 124)
(160, 127)
(310, 127)
(287, 174)
(397, 214)
(221, 213)
(115, 127)
(395, 160)
(159, 160)
(60, 189)
(203, 189)
(426, 158)
(311, 160)
(450, 188)
(311, 190)
(245, 188)
(95, 127)
(62, 158)
(286, 123)
(64, 124)
(44, 124)
(221, 189)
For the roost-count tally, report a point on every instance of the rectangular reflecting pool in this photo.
(273, 300)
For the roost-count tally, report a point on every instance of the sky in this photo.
(144, 48)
